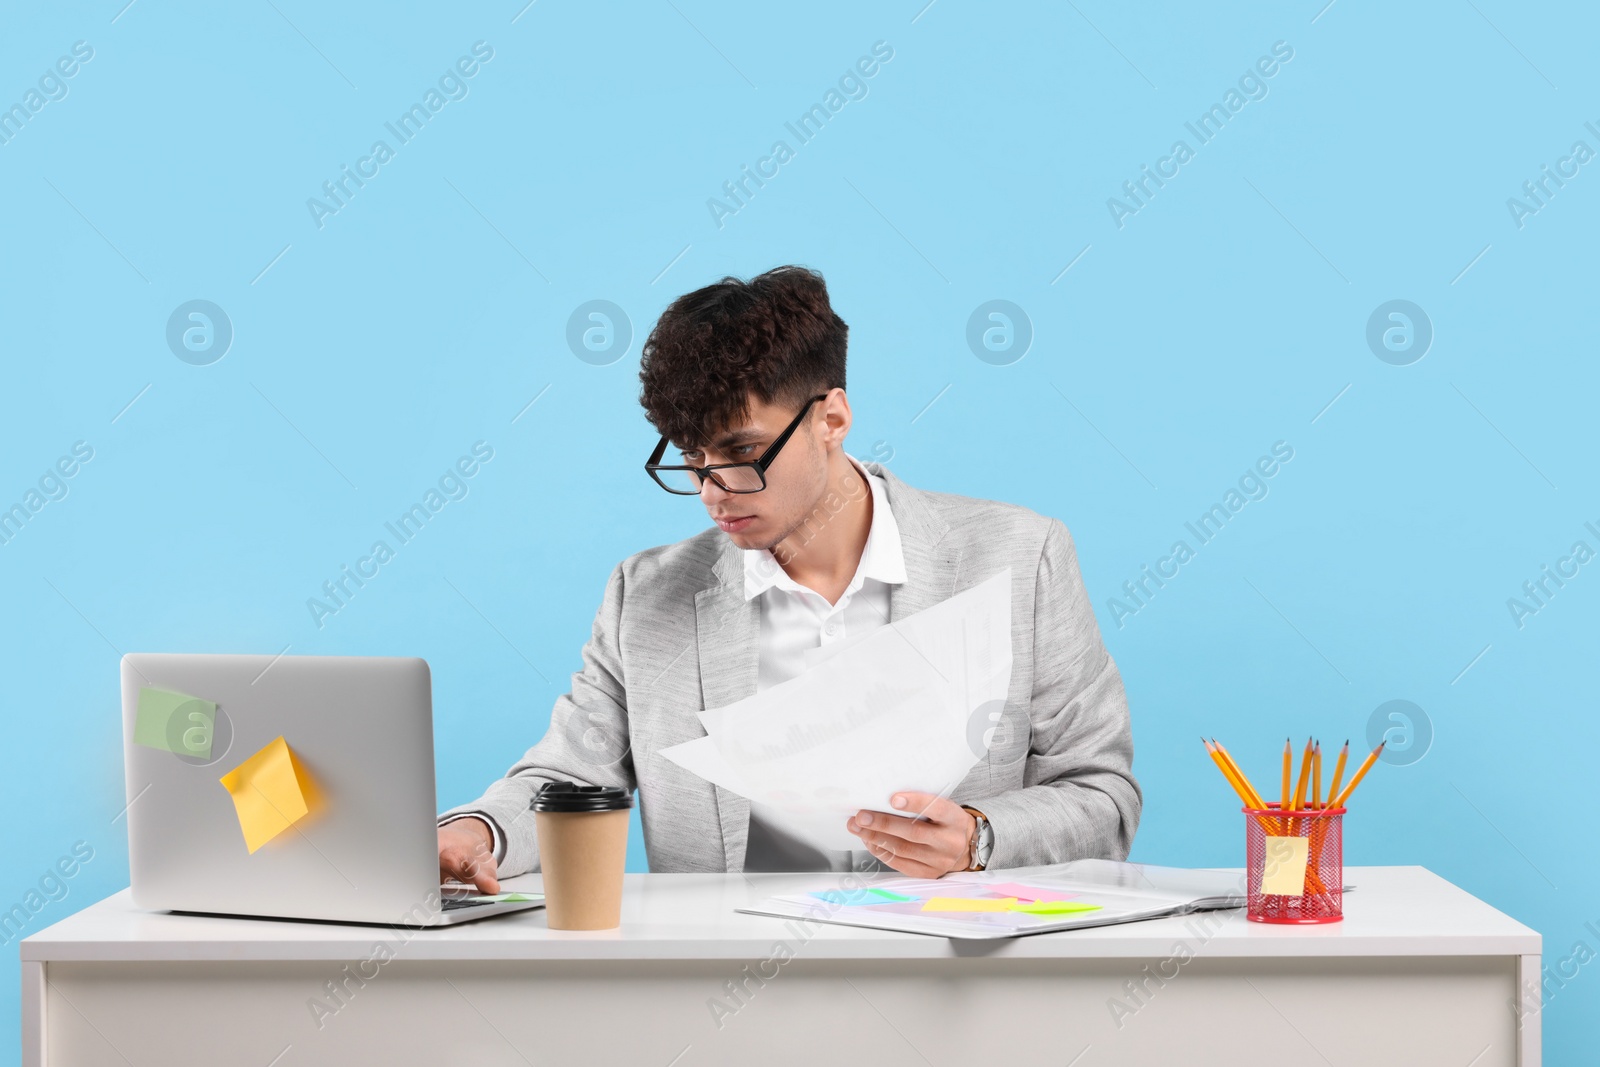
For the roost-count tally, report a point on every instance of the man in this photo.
(810, 546)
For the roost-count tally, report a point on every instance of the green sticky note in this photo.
(174, 722)
(887, 894)
(1054, 907)
(506, 897)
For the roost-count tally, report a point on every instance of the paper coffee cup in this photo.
(583, 847)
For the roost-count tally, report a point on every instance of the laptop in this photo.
(287, 787)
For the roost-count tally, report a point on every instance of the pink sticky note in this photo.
(1025, 892)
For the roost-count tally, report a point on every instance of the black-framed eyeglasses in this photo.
(686, 480)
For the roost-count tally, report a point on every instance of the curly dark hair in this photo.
(774, 337)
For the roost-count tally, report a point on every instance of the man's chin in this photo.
(751, 538)
(743, 539)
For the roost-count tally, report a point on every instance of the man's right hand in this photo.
(466, 854)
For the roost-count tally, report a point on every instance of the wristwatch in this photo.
(982, 845)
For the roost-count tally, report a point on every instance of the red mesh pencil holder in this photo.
(1295, 865)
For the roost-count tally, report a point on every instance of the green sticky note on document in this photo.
(890, 895)
(500, 898)
(174, 722)
(1054, 907)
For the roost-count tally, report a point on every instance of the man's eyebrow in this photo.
(734, 437)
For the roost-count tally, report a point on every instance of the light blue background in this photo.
(1224, 316)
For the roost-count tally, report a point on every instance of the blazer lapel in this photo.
(932, 568)
(728, 633)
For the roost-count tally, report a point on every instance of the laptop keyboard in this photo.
(457, 903)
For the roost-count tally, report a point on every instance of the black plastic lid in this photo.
(569, 796)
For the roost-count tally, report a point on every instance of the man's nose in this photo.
(712, 493)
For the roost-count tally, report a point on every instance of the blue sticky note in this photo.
(841, 896)
(860, 896)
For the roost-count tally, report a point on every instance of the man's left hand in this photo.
(931, 836)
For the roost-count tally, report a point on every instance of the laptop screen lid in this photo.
(281, 786)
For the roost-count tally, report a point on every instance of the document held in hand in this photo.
(910, 705)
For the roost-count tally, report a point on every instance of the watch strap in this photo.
(977, 854)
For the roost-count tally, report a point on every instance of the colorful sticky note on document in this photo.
(506, 898)
(174, 722)
(844, 896)
(266, 793)
(1285, 871)
(1054, 907)
(861, 896)
(968, 904)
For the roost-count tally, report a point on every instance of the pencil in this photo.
(1227, 773)
(1305, 773)
(1268, 824)
(1215, 758)
(1241, 784)
(1338, 774)
(1366, 765)
(1238, 772)
(1316, 776)
(1288, 764)
(1230, 773)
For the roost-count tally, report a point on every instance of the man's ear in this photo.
(836, 413)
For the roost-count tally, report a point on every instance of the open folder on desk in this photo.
(1012, 903)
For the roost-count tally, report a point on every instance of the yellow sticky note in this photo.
(968, 904)
(266, 794)
(1285, 872)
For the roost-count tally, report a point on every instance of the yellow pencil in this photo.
(1216, 757)
(1316, 776)
(1305, 773)
(1254, 797)
(1338, 774)
(1268, 824)
(1366, 765)
(1288, 765)
(1238, 785)
(1241, 784)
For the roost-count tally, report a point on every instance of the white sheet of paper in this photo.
(911, 705)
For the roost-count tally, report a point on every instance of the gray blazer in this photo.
(675, 635)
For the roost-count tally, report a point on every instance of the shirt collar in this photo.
(881, 557)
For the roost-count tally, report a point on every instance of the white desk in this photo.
(1419, 972)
